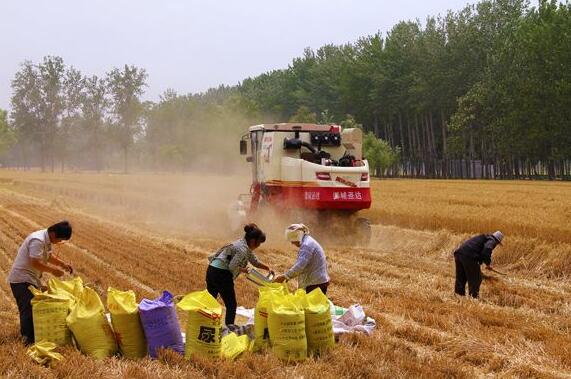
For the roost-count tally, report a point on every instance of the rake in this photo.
(497, 272)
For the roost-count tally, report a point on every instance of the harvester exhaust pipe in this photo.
(296, 144)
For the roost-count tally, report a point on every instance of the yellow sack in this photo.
(286, 325)
(90, 327)
(42, 353)
(49, 312)
(126, 323)
(204, 324)
(72, 288)
(233, 346)
(261, 334)
(318, 325)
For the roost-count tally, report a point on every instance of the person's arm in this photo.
(486, 252)
(302, 261)
(58, 262)
(257, 263)
(41, 266)
(38, 259)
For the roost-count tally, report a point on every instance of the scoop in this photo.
(258, 278)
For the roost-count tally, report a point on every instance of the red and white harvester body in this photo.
(316, 169)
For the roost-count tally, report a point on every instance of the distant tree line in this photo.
(484, 92)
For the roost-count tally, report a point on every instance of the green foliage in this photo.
(350, 122)
(7, 137)
(304, 115)
(379, 153)
(490, 82)
(125, 88)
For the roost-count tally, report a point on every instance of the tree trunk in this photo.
(125, 167)
(401, 134)
(376, 125)
(443, 127)
(551, 169)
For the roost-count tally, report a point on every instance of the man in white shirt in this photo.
(34, 258)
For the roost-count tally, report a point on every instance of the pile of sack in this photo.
(292, 325)
(69, 313)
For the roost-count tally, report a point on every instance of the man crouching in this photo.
(34, 258)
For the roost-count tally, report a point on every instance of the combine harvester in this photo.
(308, 173)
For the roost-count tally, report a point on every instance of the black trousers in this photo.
(467, 270)
(220, 281)
(323, 287)
(23, 298)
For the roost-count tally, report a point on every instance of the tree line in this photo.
(483, 92)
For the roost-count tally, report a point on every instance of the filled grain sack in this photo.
(72, 288)
(286, 326)
(318, 324)
(49, 312)
(160, 324)
(126, 323)
(90, 327)
(203, 331)
(261, 334)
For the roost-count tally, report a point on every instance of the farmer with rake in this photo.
(468, 258)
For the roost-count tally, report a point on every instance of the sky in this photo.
(189, 45)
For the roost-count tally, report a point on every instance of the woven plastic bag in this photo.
(261, 333)
(318, 324)
(160, 324)
(49, 312)
(203, 331)
(72, 288)
(42, 353)
(90, 327)
(126, 323)
(286, 325)
(234, 345)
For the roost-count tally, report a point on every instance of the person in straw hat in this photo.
(468, 258)
(310, 268)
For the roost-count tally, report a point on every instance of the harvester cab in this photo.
(313, 168)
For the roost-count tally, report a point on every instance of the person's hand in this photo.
(279, 279)
(57, 272)
(244, 270)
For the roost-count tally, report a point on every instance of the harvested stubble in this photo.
(404, 279)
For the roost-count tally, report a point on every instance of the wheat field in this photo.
(153, 232)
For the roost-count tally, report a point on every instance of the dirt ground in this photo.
(153, 232)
